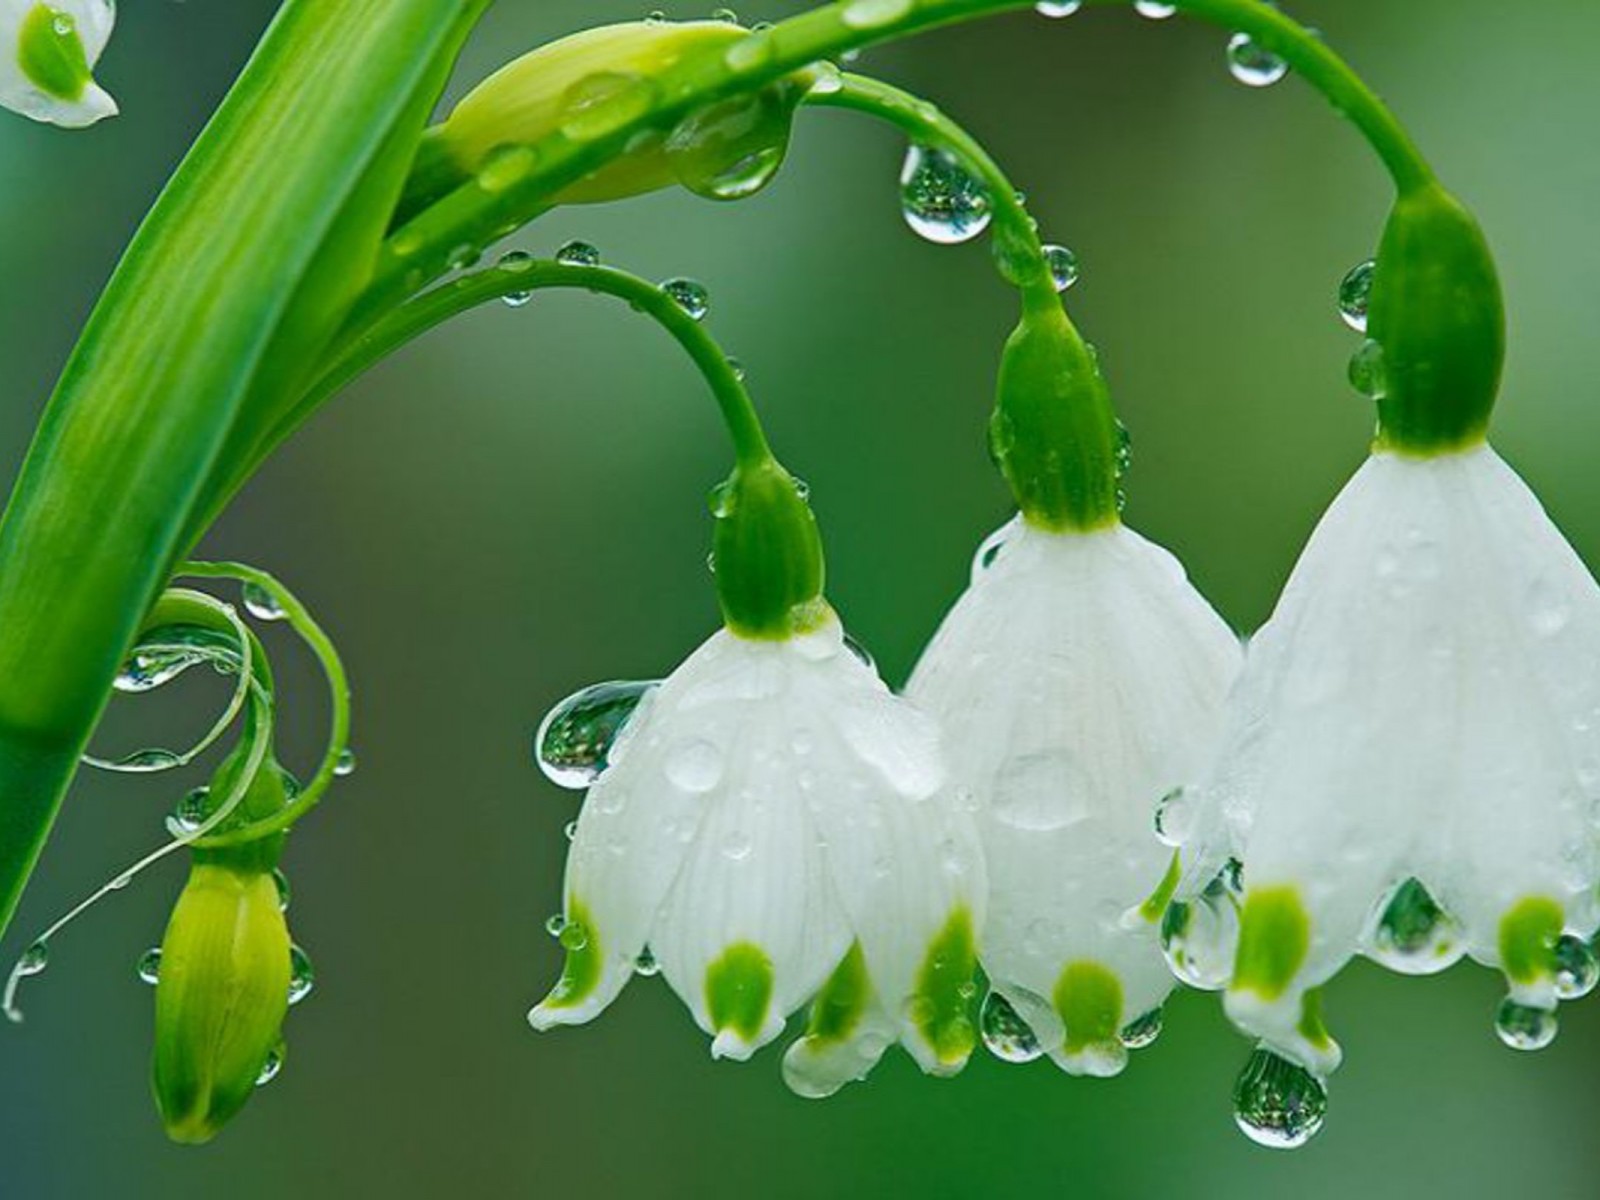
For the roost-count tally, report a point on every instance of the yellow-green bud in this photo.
(221, 996)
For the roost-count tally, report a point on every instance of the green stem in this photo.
(432, 309)
(1014, 230)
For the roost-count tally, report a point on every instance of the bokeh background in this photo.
(514, 507)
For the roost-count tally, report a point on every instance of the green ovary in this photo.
(51, 55)
(939, 1007)
(1528, 934)
(1274, 936)
(739, 990)
(1089, 998)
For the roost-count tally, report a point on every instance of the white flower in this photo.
(47, 54)
(1411, 763)
(1079, 680)
(773, 825)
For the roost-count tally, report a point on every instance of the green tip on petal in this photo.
(50, 53)
(940, 1006)
(1089, 998)
(1528, 935)
(1155, 906)
(1274, 936)
(843, 1000)
(739, 991)
(580, 973)
(1311, 1026)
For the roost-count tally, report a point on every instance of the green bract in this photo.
(767, 552)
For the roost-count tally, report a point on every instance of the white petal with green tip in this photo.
(47, 55)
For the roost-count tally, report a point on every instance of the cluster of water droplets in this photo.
(1367, 372)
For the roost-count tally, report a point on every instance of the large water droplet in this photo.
(1008, 1037)
(872, 14)
(689, 295)
(1198, 937)
(733, 148)
(578, 254)
(1063, 264)
(1252, 63)
(271, 1067)
(1577, 970)
(573, 936)
(34, 959)
(1367, 372)
(1278, 1103)
(302, 975)
(941, 200)
(149, 968)
(1057, 8)
(1414, 935)
(603, 103)
(646, 964)
(1142, 1031)
(1174, 818)
(577, 734)
(1355, 293)
(260, 603)
(1523, 1027)
(694, 765)
(1154, 10)
(191, 812)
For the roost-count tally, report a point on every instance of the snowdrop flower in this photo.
(49, 53)
(1079, 680)
(772, 826)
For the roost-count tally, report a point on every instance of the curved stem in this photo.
(339, 698)
(432, 309)
(1016, 233)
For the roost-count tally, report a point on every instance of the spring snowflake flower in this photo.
(1079, 680)
(773, 825)
(48, 57)
(1411, 762)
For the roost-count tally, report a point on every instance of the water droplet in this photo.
(1198, 937)
(260, 603)
(463, 256)
(861, 653)
(302, 975)
(689, 295)
(271, 1067)
(34, 959)
(345, 765)
(554, 924)
(578, 254)
(1414, 936)
(725, 15)
(144, 762)
(577, 734)
(1577, 969)
(1253, 64)
(515, 262)
(149, 968)
(655, 17)
(1367, 374)
(827, 79)
(505, 167)
(646, 964)
(1057, 8)
(1278, 1103)
(604, 102)
(1063, 264)
(120, 882)
(940, 199)
(732, 148)
(694, 765)
(1007, 1036)
(1355, 292)
(569, 830)
(64, 24)
(1153, 10)
(573, 936)
(751, 54)
(737, 845)
(1174, 818)
(191, 812)
(1523, 1027)
(1142, 1031)
(871, 14)
(281, 882)
(737, 368)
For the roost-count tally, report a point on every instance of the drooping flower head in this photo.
(1078, 681)
(772, 826)
(47, 55)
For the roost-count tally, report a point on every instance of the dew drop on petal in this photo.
(1277, 1103)
(1057, 8)
(689, 295)
(694, 765)
(569, 830)
(860, 653)
(302, 975)
(940, 199)
(577, 735)
(1198, 937)
(646, 964)
(573, 935)
(1523, 1027)
(149, 968)
(578, 254)
(1142, 1031)
(1577, 969)
(1414, 936)
(1253, 64)
(554, 924)
(1063, 264)
(736, 846)
(1174, 817)
(1355, 294)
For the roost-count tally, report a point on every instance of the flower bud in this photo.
(221, 996)
(767, 552)
(1053, 433)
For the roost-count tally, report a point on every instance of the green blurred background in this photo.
(514, 507)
